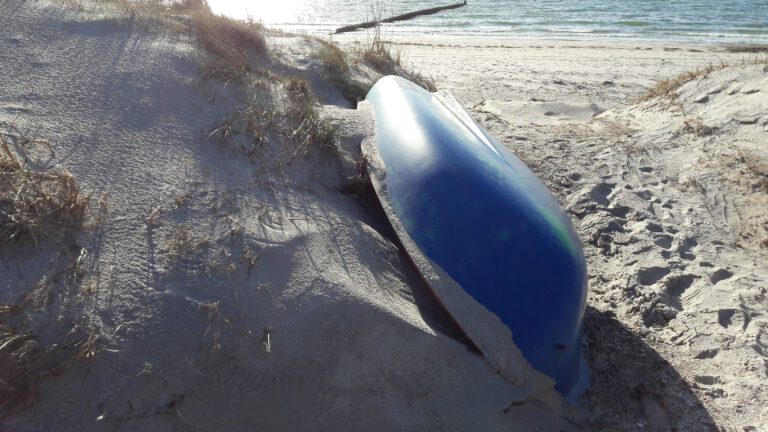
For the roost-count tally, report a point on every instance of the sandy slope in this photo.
(670, 198)
(223, 291)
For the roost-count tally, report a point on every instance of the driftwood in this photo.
(403, 17)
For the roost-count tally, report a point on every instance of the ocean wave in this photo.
(634, 23)
(680, 21)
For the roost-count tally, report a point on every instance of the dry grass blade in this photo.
(24, 362)
(234, 45)
(336, 70)
(667, 89)
(7, 160)
(184, 247)
(35, 203)
(305, 128)
(333, 58)
(386, 59)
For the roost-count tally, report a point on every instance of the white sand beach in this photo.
(222, 277)
(669, 197)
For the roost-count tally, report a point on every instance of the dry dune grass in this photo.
(236, 47)
(233, 45)
(381, 55)
(386, 59)
(334, 60)
(237, 50)
(35, 204)
(307, 128)
(284, 112)
(666, 89)
(25, 361)
(337, 71)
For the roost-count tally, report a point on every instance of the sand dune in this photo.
(219, 284)
(213, 288)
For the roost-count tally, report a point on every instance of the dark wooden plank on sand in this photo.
(403, 17)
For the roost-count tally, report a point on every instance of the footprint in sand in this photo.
(646, 195)
(707, 353)
(601, 192)
(674, 288)
(685, 247)
(663, 241)
(719, 275)
(657, 313)
(654, 227)
(664, 306)
(761, 343)
(669, 204)
(733, 318)
(660, 238)
(651, 275)
(706, 379)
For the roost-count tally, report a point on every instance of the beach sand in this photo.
(217, 289)
(669, 197)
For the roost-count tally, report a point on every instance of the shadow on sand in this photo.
(430, 308)
(633, 388)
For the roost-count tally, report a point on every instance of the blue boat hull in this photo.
(476, 211)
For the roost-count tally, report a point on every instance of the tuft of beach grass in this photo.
(35, 203)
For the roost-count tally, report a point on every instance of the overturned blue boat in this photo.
(472, 214)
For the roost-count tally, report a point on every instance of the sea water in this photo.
(726, 21)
